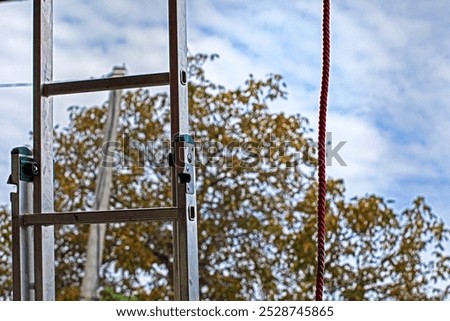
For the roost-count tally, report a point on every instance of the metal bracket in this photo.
(187, 177)
(28, 167)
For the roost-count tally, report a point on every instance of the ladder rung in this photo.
(91, 85)
(98, 217)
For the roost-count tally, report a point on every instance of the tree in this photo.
(5, 254)
(256, 203)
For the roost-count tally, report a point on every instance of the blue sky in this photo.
(389, 82)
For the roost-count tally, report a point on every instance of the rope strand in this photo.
(321, 204)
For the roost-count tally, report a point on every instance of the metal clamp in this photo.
(28, 167)
(188, 175)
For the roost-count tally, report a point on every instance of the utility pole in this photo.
(96, 241)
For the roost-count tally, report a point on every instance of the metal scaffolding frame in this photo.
(32, 171)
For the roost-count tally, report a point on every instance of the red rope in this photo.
(321, 204)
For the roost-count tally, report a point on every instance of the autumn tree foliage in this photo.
(256, 193)
(5, 254)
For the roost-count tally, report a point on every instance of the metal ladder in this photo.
(33, 216)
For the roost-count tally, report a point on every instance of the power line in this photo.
(19, 84)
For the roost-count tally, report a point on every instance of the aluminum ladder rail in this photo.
(32, 171)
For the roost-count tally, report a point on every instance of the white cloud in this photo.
(100, 36)
(366, 154)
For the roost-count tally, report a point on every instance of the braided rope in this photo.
(321, 205)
